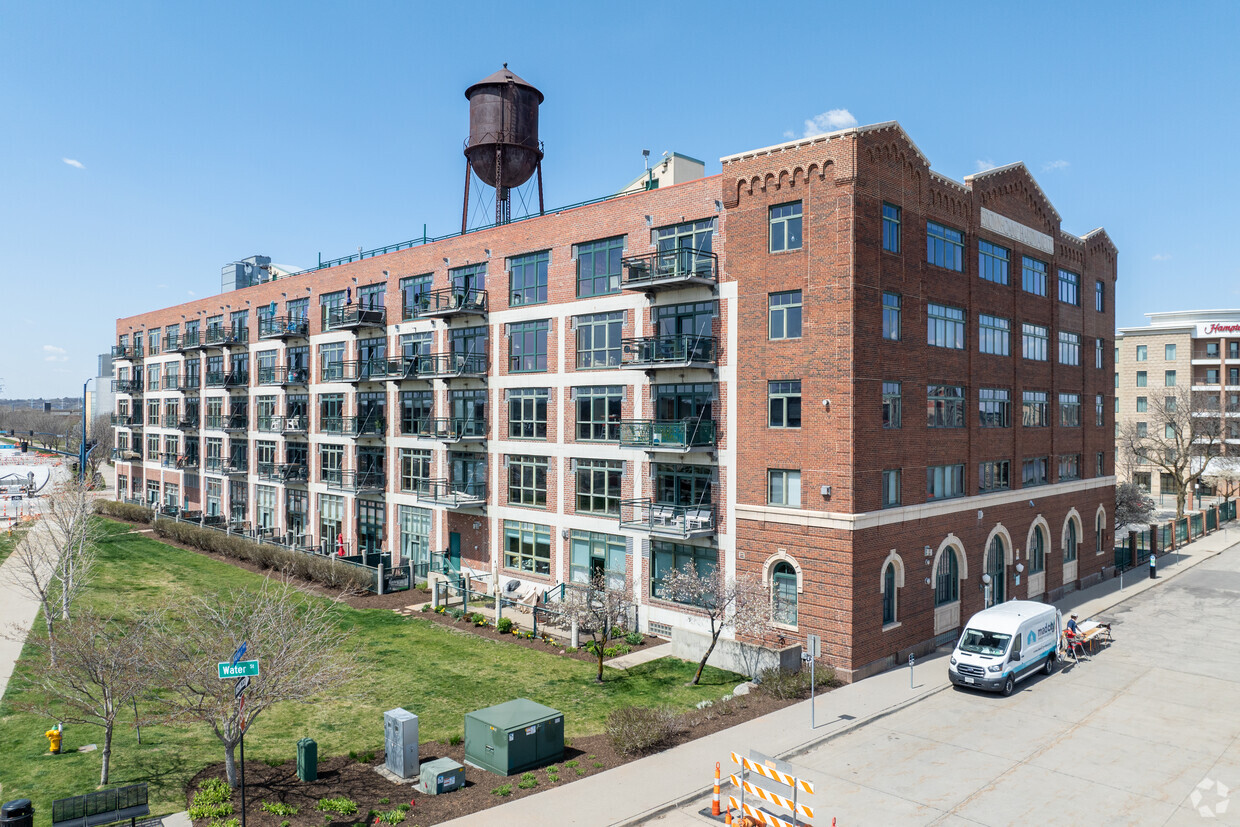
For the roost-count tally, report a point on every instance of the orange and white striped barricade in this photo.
(772, 782)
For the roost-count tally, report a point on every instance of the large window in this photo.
(1099, 296)
(783, 487)
(784, 594)
(1142, 379)
(947, 578)
(891, 316)
(891, 405)
(527, 413)
(593, 555)
(1169, 353)
(1035, 411)
(994, 406)
(994, 335)
(527, 276)
(945, 326)
(415, 466)
(1037, 551)
(598, 267)
(1069, 467)
(598, 340)
(786, 227)
(891, 228)
(1169, 379)
(527, 346)
(785, 314)
(889, 594)
(785, 404)
(527, 547)
(666, 556)
(598, 486)
(598, 413)
(944, 247)
(994, 476)
(1098, 353)
(1035, 471)
(945, 406)
(1142, 353)
(413, 290)
(1070, 409)
(1069, 348)
(527, 481)
(891, 487)
(1034, 342)
(1069, 549)
(1069, 287)
(1033, 276)
(1099, 409)
(944, 481)
(993, 262)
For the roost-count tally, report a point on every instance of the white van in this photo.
(1005, 644)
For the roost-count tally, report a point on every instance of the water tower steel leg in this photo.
(541, 209)
(465, 208)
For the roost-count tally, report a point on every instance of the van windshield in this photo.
(980, 642)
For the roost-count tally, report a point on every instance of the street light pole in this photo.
(82, 444)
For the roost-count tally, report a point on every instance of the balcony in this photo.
(237, 379)
(295, 424)
(213, 465)
(355, 317)
(188, 462)
(288, 472)
(676, 436)
(357, 482)
(354, 426)
(215, 422)
(282, 375)
(457, 429)
(125, 352)
(669, 270)
(680, 352)
(236, 467)
(284, 327)
(125, 455)
(191, 340)
(226, 337)
(450, 494)
(268, 424)
(173, 343)
(189, 384)
(237, 422)
(188, 423)
(447, 302)
(679, 521)
(133, 387)
(124, 421)
(364, 370)
(449, 365)
(400, 369)
(214, 379)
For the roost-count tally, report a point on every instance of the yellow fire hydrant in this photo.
(53, 737)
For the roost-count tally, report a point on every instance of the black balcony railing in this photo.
(237, 379)
(284, 327)
(282, 375)
(123, 421)
(214, 422)
(122, 352)
(219, 336)
(355, 426)
(449, 365)
(191, 340)
(236, 466)
(187, 461)
(213, 465)
(189, 384)
(237, 422)
(268, 424)
(214, 379)
(679, 351)
(133, 387)
(424, 427)
(667, 520)
(456, 429)
(172, 343)
(168, 460)
(188, 423)
(448, 301)
(451, 494)
(667, 435)
(365, 370)
(668, 269)
(353, 317)
(295, 472)
(295, 424)
(358, 481)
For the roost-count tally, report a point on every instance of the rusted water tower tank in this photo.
(503, 149)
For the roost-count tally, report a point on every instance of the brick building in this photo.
(728, 371)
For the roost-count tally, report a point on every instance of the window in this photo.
(527, 481)
(1212, 350)
(992, 262)
(994, 335)
(1169, 403)
(1070, 409)
(413, 291)
(666, 556)
(1100, 462)
(331, 361)
(1169, 379)
(468, 341)
(1141, 479)
(527, 413)
(945, 406)
(994, 407)
(891, 316)
(1169, 353)
(1034, 342)
(1169, 431)
(593, 554)
(1033, 276)
(1098, 354)
(687, 485)
(1099, 409)
(945, 326)
(598, 486)
(944, 247)
(1069, 287)
(1099, 296)
(783, 487)
(598, 413)
(1142, 404)
(1034, 413)
(1142, 379)
(599, 340)
(415, 467)
(1233, 350)
(944, 481)
(1069, 467)
(786, 227)
(598, 267)
(784, 594)
(527, 346)
(1069, 348)
(1143, 429)
(416, 411)
(527, 278)
(947, 578)
(331, 461)
(1212, 376)
(994, 476)
(891, 487)
(891, 404)
(1142, 353)
(1069, 549)
(1037, 551)
(527, 547)
(785, 404)
(785, 314)
(891, 228)
(1034, 471)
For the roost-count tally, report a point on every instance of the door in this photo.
(997, 570)
(454, 551)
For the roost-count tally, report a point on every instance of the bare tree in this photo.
(597, 610)
(102, 667)
(742, 605)
(1132, 506)
(1181, 430)
(297, 640)
(1223, 473)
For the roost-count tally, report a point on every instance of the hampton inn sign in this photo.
(1217, 329)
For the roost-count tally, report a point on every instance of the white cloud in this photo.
(982, 166)
(1051, 166)
(1162, 257)
(191, 292)
(789, 134)
(828, 121)
(73, 163)
(161, 287)
(54, 354)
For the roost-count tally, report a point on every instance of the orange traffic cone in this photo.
(714, 800)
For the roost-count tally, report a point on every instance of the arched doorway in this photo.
(996, 568)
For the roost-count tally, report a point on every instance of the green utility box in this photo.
(514, 737)
(307, 759)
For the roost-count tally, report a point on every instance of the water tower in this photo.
(503, 149)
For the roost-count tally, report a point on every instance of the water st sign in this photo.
(240, 669)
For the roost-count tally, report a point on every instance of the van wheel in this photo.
(1050, 664)
(1008, 686)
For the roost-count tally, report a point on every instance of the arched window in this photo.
(1100, 528)
(1037, 552)
(1069, 550)
(995, 567)
(784, 594)
(947, 584)
(889, 594)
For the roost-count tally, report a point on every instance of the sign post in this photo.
(814, 644)
(242, 670)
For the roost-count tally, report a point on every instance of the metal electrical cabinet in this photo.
(400, 742)
(514, 737)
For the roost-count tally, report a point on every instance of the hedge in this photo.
(125, 511)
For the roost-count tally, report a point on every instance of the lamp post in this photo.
(986, 579)
(82, 452)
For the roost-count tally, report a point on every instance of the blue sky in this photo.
(144, 145)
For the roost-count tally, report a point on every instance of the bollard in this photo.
(714, 798)
(379, 577)
(910, 671)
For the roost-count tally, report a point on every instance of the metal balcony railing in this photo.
(365, 370)
(168, 460)
(122, 352)
(237, 379)
(191, 340)
(295, 424)
(423, 427)
(123, 421)
(354, 317)
(152, 383)
(188, 423)
(214, 422)
(187, 461)
(213, 465)
(237, 422)
(189, 384)
(358, 482)
(331, 372)
(284, 327)
(214, 379)
(236, 466)
(220, 336)
(172, 343)
(125, 455)
(681, 267)
(355, 426)
(678, 351)
(667, 435)
(451, 494)
(445, 302)
(268, 424)
(282, 375)
(679, 521)
(449, 365)
(133, 387)
(456, 429)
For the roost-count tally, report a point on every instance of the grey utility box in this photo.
(514, 737)
(400, 742)
(443, 775)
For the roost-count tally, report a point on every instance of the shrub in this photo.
(385, 801)
(634, 638)
(219, 822)
(457, 614)
(504, 625)
(125, 511)
(392, 817)
(478, 617)
(570, 764)
(528, 781)
(784, 685)
(426, 607)
(285, 823)
(455, 739)
(213, 800)
(339, 805)
(634, 730)
(279, 808)
(370, 755)
(611, 652)
(502, 790)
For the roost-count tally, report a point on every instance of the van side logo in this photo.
(1033, 637)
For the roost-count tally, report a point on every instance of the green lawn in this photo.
(9, 538)
(437, 673)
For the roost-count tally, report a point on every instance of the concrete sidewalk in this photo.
(642, 789)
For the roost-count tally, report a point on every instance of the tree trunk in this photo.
(230, 765)
(51, 639)
(701, 666)
(107, 754)
(1179, 503)
(599, 650)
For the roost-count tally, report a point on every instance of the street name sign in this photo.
(240, 669)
